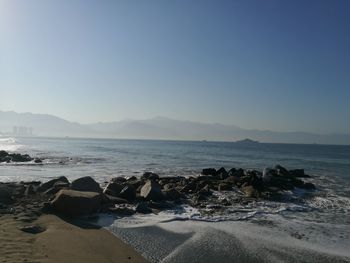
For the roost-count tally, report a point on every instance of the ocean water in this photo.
(315, 224)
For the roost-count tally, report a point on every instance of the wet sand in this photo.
(62, 242)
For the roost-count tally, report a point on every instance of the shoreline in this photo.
(61, 241)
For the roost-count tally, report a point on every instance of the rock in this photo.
(56, 187)
(128, 193)
(150, 176)
(298, 173)
(3, 154)
(113, 188)
(86, 184)
(232, 172)
(16, 157)
(168, 186)
(209, 171)
(232, 179)
(152, 191)
(224, 187)
(33, 229)
(121, 210)
(205, 191)
(172, 194)
(45, 186)
(6, 194)
(29, 190)
(76, 203)
(222, 173)
(281, 170)
(143, 208)
(189, 188)
(115, 200)
(249, 191)
(268, 173)
(37, 160)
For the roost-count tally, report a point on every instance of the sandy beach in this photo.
(61, 242)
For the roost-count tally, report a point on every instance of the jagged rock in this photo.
(298, 173)
(205, 190)
(29, 190)
(6, 194)
(150, 176)
(224, 187)
(222, 173)
(168, 186)
(232, 172)
(281, 170)
(152, 191)
(45, 186)
(209, 171)
(232, 179)
(76, 203)
(128, 193)
(86, 184)
(143, 208)
(113, 188)
(268, 173)
(172, 194)
(115, 200)
(189, 188)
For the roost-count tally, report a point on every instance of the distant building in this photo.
(22, 131)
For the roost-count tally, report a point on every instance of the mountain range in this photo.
(156, 128)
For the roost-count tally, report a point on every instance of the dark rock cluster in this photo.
(147, 194)
(16, 157)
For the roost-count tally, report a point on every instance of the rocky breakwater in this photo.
(148, 194)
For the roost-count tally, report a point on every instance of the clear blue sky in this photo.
(279, 65)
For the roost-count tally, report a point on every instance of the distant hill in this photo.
(157, 128)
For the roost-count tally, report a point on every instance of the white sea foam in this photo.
(161, 240)
(9, 144)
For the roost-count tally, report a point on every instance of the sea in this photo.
(306, 226)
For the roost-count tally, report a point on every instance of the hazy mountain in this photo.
(157, 128)
(42, 124)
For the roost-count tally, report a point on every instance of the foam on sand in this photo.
(273, 239)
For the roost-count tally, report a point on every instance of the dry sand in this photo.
(61, 242)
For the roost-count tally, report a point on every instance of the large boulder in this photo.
(113, 188)
(49, 184)
(152, 191)
(76, 203)
(222, 173)
(128, 193)
(86, 184)
(6, 194)
(298, 173)
(209, 171)
(172, 194)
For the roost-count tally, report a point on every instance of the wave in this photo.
(9, 144)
